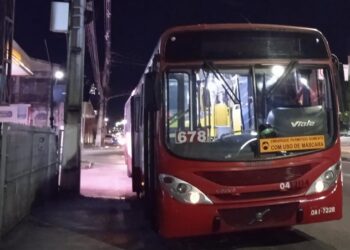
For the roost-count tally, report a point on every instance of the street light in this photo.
(106, 120)
(58, 75)
(105, 104)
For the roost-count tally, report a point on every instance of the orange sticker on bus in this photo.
(295, 143)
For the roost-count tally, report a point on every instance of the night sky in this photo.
(137, 25)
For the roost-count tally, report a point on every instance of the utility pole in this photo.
(95, 64)
(349, 64)
(7, 9)
(70, 175)
(100, 120)
(101, 129)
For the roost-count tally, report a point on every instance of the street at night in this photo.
(118, 222)
(174, 125)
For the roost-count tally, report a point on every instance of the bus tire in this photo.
(137, 181)
(128, 172)
(151, 202)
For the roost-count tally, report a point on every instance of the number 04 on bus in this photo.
(234, 127)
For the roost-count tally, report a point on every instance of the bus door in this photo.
(136, 144)
(150, 105)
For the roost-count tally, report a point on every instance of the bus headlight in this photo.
(182, 190)
(326, 179)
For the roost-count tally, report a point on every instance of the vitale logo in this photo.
(297, 124)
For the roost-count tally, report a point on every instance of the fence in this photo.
(28, 170)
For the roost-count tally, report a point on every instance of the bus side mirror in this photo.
(340, 84)
(342, 88)
(152, 91)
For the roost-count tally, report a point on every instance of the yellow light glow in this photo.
(16, 55)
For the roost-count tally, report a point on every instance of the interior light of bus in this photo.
(325, 180)
(253, 133)
(304, 82)
(182, 191)
(277, 70)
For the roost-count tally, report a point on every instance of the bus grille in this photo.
(275, 215)
(258, 195)
(255, 177)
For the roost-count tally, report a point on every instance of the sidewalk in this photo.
(90, 148)
(81, 223)
(106, 216)
(108, 181)
(104, 174)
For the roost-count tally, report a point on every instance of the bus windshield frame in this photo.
(212, 105)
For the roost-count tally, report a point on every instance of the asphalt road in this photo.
(96, 223)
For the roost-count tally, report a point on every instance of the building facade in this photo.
(30, 92)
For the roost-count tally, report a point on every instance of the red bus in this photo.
(235, 127)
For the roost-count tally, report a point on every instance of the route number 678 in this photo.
(191, 136)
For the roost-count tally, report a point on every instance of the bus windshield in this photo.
(248, 113)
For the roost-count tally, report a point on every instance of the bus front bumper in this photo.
(182, 220)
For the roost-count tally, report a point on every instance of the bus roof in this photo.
(240, 26)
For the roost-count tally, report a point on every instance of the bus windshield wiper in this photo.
(291, 65)
(218, 75)
(177, 116)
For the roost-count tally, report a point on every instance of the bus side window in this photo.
(142, 110)
(179, 103)
(136, 113)
(310, 87)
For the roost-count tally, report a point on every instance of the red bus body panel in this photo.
(178, 219)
